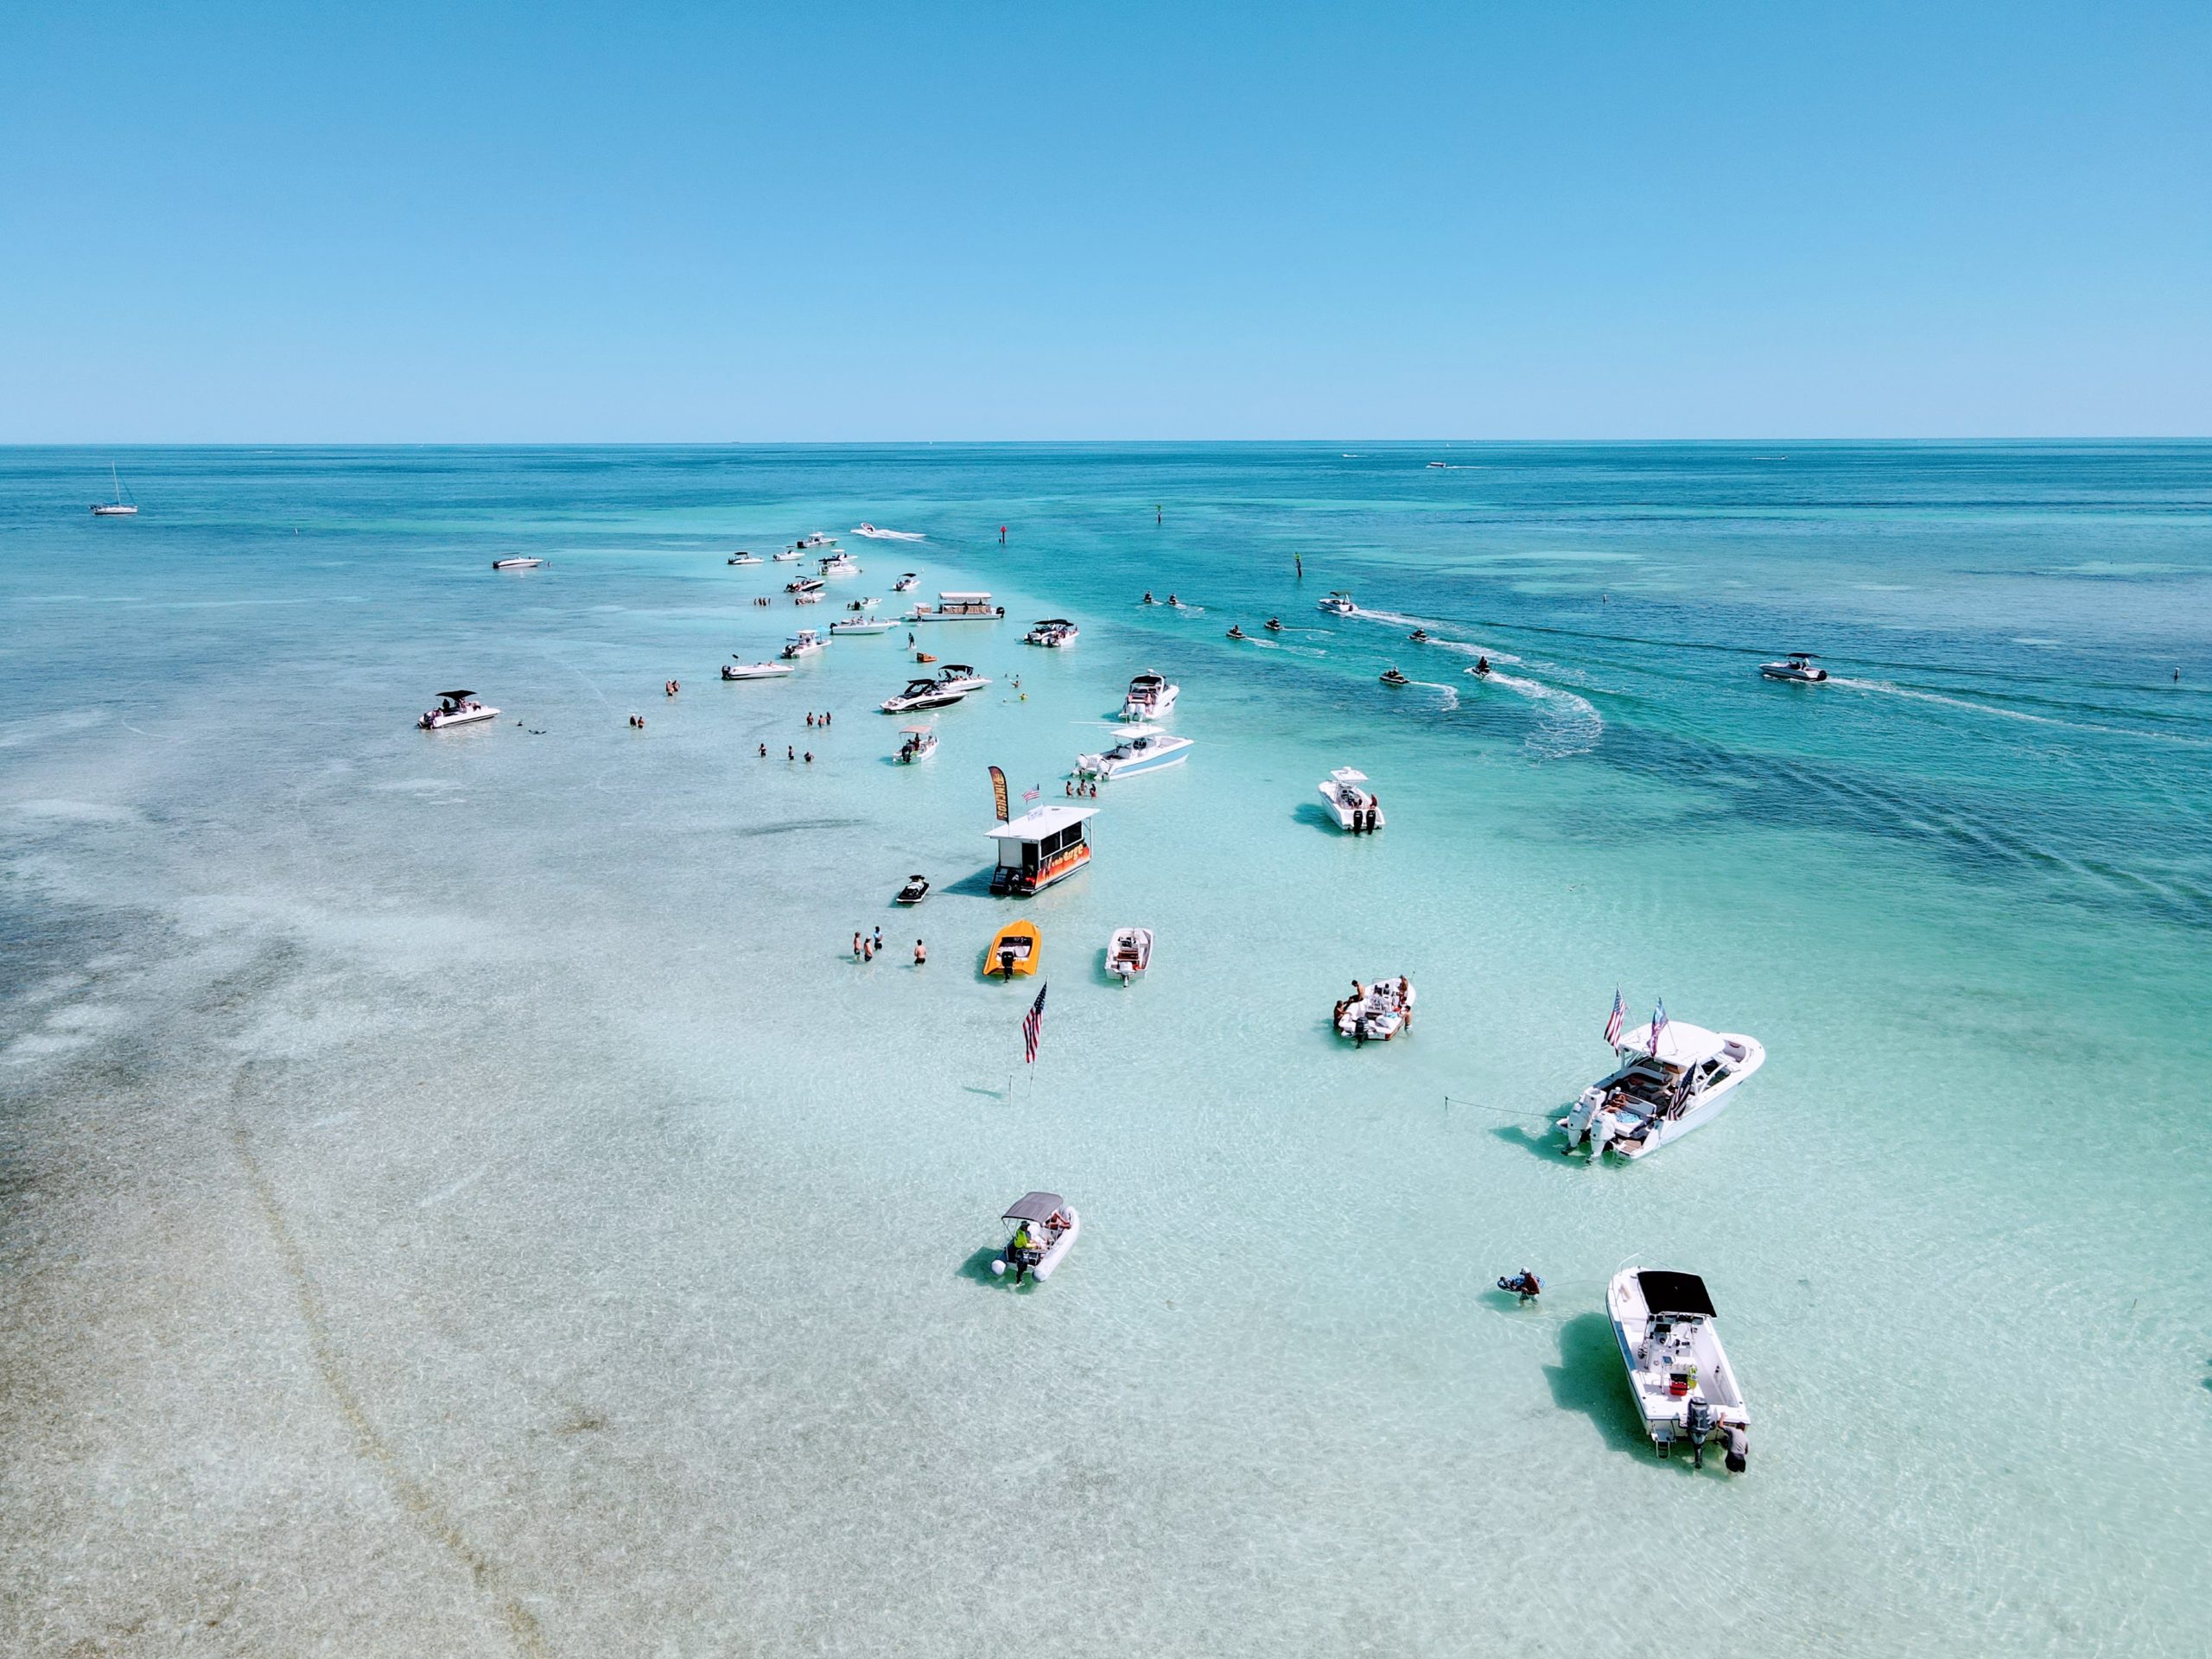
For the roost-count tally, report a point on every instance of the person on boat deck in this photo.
(1020, 1250)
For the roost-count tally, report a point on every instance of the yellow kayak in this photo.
(1014, 950)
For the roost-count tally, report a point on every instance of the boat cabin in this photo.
(954, 607)
(1690, 1060)
(1040, 847)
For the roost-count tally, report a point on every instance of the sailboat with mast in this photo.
(123, 506)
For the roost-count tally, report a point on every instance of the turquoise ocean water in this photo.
(460, 1194)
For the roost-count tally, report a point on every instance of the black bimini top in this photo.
(1675, 1293)
(1033, 1207)
(456, 696)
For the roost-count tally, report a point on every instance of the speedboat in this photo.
(516, 564)
(915, 890)
(1150, 697)
(906, 584)
(744, 558)
(921, 693)
(1044, 1229)
(1014, 949)
(455, 708)
(1684, 1386)
(1376, 1013)
(839, 564)
(806, 643)
(960, 678)
(1128, 953)
(804, 585)
(1143, 748)
(1274, 625)
(789, 556)
(1354, 808)
(1798, 665)
(1237, 630)
(742, 671)
(863, 624)
(1391, 676)
(1054, 631)
(876, 532)
(1665, 1086)
(1338, 604)
(920, 744)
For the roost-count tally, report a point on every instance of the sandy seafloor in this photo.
(458, 1194)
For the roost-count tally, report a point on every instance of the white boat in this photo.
(789, 556)
(1143, 748)
(906, 584)
(755, 670)
(806, 643)
(921, 693)
(1354, 808)
(455, 708)
(958, 677)
(920, 744)
(1044, 1229)
(1055, 631)
(877, 533)
(1798, 665)
(1685, 1388)
(839, 564)
(1377, 1012)
(1128, 953)
(915, 890)
(123, 506)
(744, 558)
(1661, 1091)
(813, 539)
(516, 564)
(958, 608)
(1339, 604)
(863, 624)
(1045, 844)
(1150, 697)
(804, 585)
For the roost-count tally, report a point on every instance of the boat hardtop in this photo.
(456, 708)
(1044, 1229)
(1685, 1388)
(1337, 604)
(921, 694)
(1128, 953)
(1014, 949)
(1660, 1092)
(1799, 665)
(1354, 807)
(1042, 846)
(814, 538)
(1141, 748)
(742, 669)
(1376, 1012)
(804, 643)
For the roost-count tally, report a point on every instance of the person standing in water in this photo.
(1002, 535)
(1299, 559)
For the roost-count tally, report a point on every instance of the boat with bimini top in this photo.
(456, 708)
(1044, 1229)
(1128, 953)
(920, 744)
(1376, 1013)
(1685, 1388)
(1798, 665)
(1338, 604)
(1054, 631)
(1354, 807)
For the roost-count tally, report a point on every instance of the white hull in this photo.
(1801, 676)
(1149, 751)
(1616, 1131)
(1664, 1354)
(438, 722)
(755, 670)
(876, 533)
(861, 627)
(785, 558)
(1348, 803)
(516, 564)
(1128, 953)
(1049, 1263)
(1150, 706)
(1379, 1016)
(114, 512)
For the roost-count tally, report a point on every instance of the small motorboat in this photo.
(1053, 630)
(1338, 604)
(915, 890)
(1150, 697)
(741, 557)
(1274, 625)
(839, 564)
(806, 585)
(959, 678)
(1044, 1229)
(906, 583)
(1376, 1013)
(1666, 1085)
(806, 643)
(863, 624)
(867, 603)
(1015, 949)
(811, 540)
(1419, 636)
(744, 670)
(1798, 665)
(920, 744)
(1354, 808)
(1128, 953)
(1391, 676)
(1685, 1388)
(876, 532)
(517, 564)
(1145, 748)
(921, 693)
(806, 599)
(789, 556)
(1237, 630)
(455, 708)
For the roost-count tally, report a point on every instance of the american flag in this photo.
(1032, 1027)
(1614, 1019)
(1030, 794)
(1658, 1026)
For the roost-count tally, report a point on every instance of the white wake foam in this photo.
(1566, 724)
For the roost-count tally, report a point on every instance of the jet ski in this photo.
(1274, 625)
(1391, 676)
(1419, 636)
(1236, 631)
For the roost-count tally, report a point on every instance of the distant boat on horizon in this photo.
(123, 506)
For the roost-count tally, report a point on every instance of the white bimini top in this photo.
(1679, 1044)
(1039, 822)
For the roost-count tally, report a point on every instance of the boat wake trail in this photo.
(1277, 645)
(1890, 689)
(1566, 724)
(1451, 694)
(1465, 647)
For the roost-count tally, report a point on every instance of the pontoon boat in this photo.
(1685, 1388)
(1043, 845)
(1662, 1091)
(1044, 1229)
(1129, 953)
(1354, 807)
(455, 708)
(958, 608)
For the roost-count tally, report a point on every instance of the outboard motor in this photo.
(1578, 1121)
(1700, 1428)
(1739, 1448)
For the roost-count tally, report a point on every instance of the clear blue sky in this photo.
(983, 220)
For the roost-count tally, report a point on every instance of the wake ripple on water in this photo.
(1891, 689)
(1566, 724)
